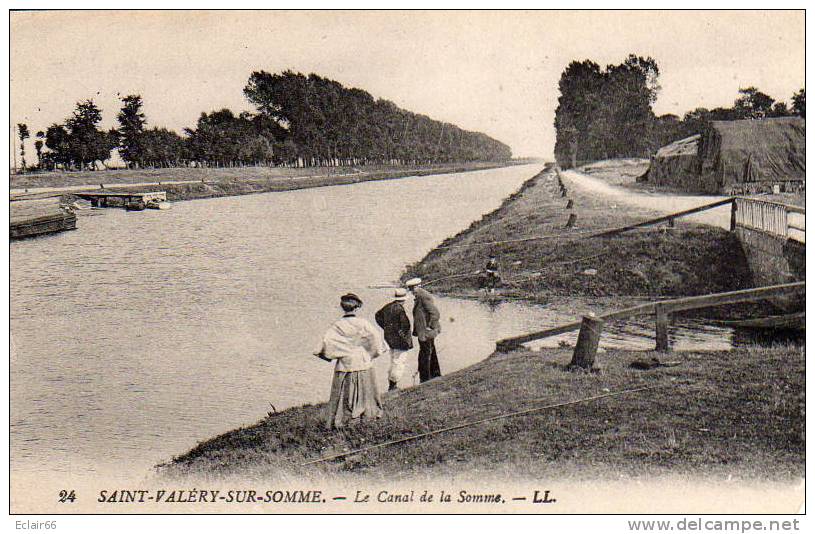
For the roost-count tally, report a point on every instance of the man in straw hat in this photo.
(394, 321)
(426, 327)
(353, 342)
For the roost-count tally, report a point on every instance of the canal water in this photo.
(143, 333)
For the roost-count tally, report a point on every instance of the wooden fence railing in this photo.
(783, 220)
(775, 218)
(663, 310)
(670, 218)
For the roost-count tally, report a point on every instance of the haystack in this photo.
(745, 156)
(749, 153)
(676, 165)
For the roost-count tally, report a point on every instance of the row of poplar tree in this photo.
(300, 121)
(607, 113)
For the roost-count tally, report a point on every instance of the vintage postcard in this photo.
(407, 262)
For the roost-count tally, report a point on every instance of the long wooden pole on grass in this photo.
(472, 423)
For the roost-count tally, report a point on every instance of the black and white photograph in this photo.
(407, 262)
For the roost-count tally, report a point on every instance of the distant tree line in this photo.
(300, 121)
(607, 113)
(326, 123)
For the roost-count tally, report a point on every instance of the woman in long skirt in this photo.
(353, 342)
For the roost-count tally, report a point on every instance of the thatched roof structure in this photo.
(766, 150)
(734, 155)
(676, 165)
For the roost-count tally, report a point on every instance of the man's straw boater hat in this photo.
(413, 282)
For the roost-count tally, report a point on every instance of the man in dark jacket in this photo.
(426, 327)
(394, 321)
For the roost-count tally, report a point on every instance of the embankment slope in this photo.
(689, 259)
(706, 417)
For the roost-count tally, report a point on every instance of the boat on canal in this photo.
(34, 218)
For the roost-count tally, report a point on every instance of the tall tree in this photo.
(780, 109)
(161, 148)
(38, 144)
(23, 134)
(87, 143)
(57, 140)
(132, 122)
(799, 103)
(753, 104)
(629, 91)
(605, 113)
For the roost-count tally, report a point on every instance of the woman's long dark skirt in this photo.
(354, 395)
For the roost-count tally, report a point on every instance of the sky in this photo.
(494, 72)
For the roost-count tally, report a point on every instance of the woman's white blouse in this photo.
(353, 342)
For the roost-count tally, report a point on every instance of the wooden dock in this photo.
(35, 218)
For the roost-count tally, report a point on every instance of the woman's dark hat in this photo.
(350, 297)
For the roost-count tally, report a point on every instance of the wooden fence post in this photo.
(733, 209)
(587, 342)
(663, 344)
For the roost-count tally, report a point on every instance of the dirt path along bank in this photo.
(663, 203)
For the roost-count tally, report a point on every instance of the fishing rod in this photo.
(480, 421)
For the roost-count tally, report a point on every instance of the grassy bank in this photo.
(249, 185)
(211, 182)
(689, 259)
(716, 414)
